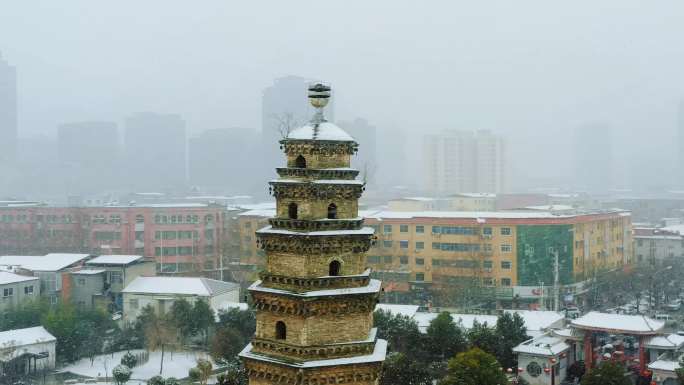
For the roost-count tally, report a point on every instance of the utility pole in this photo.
(542, 306)
(555, 283)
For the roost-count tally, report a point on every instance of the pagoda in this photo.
(315, 299)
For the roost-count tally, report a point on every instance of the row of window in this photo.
(456, 230)
(444, 246)
(457, 263)
(182, 250)
(420, 277)
(172, 234)
(23, 218)
(9, 291)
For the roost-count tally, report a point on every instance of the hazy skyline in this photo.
(533, 71)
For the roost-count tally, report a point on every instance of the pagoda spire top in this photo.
(319, 96)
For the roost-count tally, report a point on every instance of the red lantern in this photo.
(547, 370)
(563, 355)
(509, 370)
(520, 370)
(553, 360)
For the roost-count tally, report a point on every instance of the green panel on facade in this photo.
(537, 246)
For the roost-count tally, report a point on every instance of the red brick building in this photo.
(184, 237)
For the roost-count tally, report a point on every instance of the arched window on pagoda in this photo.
(292, 210)
(334, 268)
(300, 162)
(332, 211)
(280, 330)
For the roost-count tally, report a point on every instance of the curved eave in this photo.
(352, 182)
(269, 230)
(379, 353)
(373, 287)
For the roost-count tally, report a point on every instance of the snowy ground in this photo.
(176, 364)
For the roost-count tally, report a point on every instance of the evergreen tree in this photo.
(203, 318)
(444, 337)
(400, 370)
(608, 373)
(401, 332)
(483, 337)
(474, 367)
(511, 331)
(181, 315)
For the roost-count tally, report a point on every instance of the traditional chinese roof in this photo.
(320, 131)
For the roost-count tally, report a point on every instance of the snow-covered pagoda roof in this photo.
(361, 231)
(378, 355)
(320, 131)
(373, 286)
(666, 342)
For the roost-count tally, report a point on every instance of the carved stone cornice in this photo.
(318, 147)
(314, 245)
(290, 375)
(312, 352)
(303, 190)
(316, 225)
(279, 304)
(317, 173)
(308, 284)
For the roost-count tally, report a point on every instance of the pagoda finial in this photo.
(319, 95)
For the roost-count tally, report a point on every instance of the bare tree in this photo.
(285, 122)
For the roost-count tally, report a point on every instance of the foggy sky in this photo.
(531, 70)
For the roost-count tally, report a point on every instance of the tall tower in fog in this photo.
(155, 147)
(315, 299)
(8, 111)
(594, 158)
(680, 147)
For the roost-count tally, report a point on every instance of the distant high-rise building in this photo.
(155, 148)
(89, 155)
(594, 158)
(219, 158)
(680, 147)
(365, 160)
(8, 111)
(464, 161)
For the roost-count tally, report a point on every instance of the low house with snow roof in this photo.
(664, 368)
(52, 269)
(161, 292)
(119, 271)
(16, 290)
(543, 360)
(26, 351)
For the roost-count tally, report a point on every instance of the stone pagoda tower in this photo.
(315, 299)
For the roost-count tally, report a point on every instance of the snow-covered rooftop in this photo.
(23, 337)
(373, 286)
(482, 215)
(475, 195)
(537, 320)
(378, 355)
(48, 262)
(361, 231)
(7, 278)
(465, 320)
(259, 213)
(675, 229)
(405, 310)
(664, 365)
(320, 131)
(618, 323)
(114, 259)
(89, 271)
(669, 342)
(204, 287)
(544, 345)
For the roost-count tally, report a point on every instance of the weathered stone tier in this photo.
(316, 225)
(319, 283)
(318, 302)
(315, 243)
(313, 352)
(318, 189)
(318, 147)
(318, 173)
